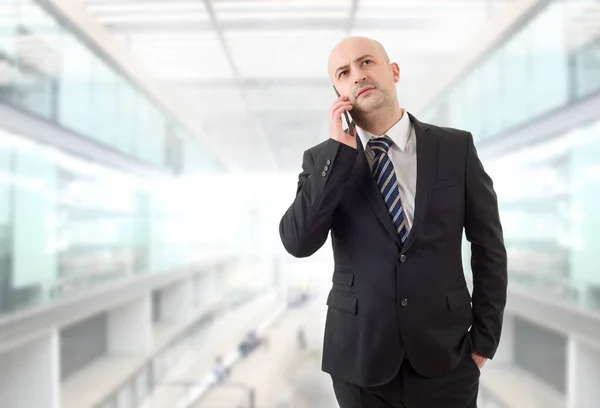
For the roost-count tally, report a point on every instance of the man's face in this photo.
(360, 70)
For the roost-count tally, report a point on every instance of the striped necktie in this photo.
(385, 176)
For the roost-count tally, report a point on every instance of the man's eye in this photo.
(343, 73)
(365, 61)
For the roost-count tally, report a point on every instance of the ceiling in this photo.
(253, 73)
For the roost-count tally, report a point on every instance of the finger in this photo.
(338, 104)
(339, 124)
(341, 99)
(337, 114)
(345, 106)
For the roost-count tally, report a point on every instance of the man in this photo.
(396, 194)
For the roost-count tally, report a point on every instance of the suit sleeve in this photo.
(306, 223)
(488, 255)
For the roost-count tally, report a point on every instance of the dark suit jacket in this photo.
(390, 301)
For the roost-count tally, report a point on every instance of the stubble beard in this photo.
(378, 101)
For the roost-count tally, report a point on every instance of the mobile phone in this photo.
(346, 114)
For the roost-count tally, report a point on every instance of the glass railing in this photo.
(548, 198)
(48, 70)
(550, 61)
(68, 225)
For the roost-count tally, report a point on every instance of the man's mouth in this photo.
(364, 90)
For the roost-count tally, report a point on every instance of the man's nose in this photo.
(360, 78)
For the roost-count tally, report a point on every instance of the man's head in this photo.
(360, 69)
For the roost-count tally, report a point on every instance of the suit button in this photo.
(402, 258)
(323, 174)
(326, 168)
(404, 302)
(328, 162)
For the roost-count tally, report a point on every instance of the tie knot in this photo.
(380, 144)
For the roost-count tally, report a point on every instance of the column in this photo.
(130, 328)
(213, 285)
(583, 374)
(176, 302)
(29, 375)
(204, 292)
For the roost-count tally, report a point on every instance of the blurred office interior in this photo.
(148, 149)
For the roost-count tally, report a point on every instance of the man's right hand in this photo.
(336, 132)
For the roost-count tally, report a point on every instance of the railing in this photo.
(249, 391)
(194, 392)
(152, 373)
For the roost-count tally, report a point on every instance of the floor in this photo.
(282, 375)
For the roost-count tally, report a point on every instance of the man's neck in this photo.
(382, 120)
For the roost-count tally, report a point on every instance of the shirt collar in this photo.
(399, 133)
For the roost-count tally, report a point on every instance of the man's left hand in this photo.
(479, 359)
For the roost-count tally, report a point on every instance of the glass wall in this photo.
(68, 225)
(548, 200)
(586, 62)
(549, 194)
(549, 62)
(47, 70)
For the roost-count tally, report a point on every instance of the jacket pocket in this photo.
(343, 277)
(343, 302)
(446, 182)
(458, 298)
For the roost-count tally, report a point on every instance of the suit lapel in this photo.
(427, 145)
(367, 185)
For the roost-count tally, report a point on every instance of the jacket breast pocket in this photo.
(446, 182)
(343, 302)
(447, 197)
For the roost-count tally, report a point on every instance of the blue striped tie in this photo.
(385, 176)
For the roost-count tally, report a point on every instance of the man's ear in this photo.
(395, 71)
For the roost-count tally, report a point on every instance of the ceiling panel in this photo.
(134, 7)
(111, 12)
(437, 25)
(283, 54)
(282, 15)
(277, 15)
(409, 43)
(429, 4)
(202, 102)
(176, 55)
(281, 5)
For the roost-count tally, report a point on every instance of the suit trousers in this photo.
(457, 389)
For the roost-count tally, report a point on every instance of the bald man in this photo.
(402, 329)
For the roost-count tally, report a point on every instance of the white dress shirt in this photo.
(403, 155)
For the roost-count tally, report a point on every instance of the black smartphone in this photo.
(346, 114)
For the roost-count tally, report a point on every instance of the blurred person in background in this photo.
(396, 193)
(220, 370)
(301, 338)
